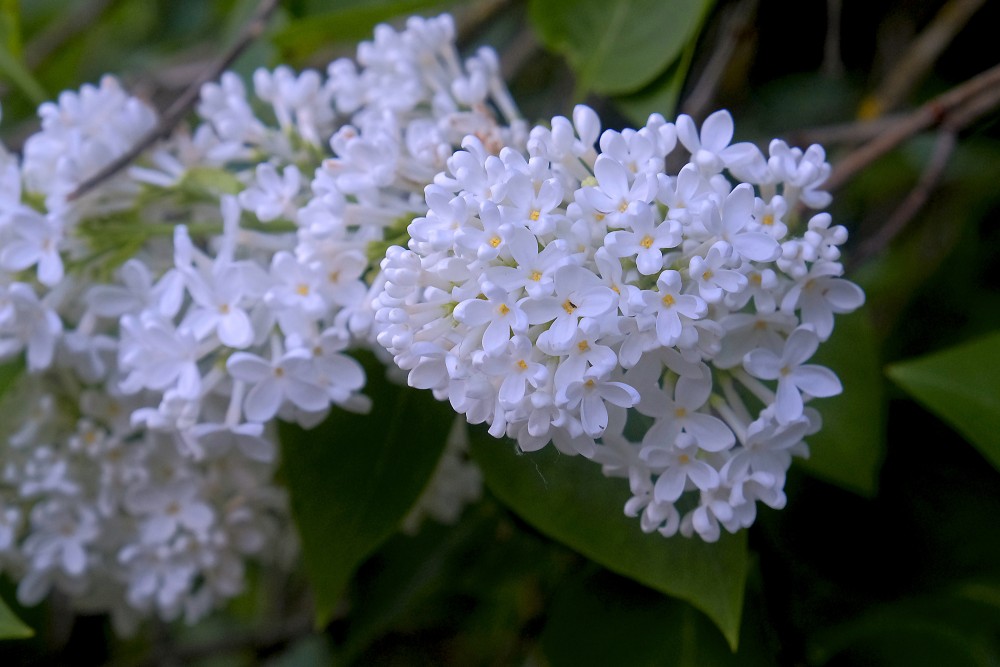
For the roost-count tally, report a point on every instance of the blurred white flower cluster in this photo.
(169, 315)
(656, 321)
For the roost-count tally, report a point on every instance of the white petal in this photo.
(263, 400)
(711, 432)
(817, 381)
(788, 406)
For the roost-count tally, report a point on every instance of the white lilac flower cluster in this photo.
(138, 477)
(658, 322)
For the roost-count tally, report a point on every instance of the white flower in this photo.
(165, 509)
(157, 356)
(792, 374)
(668, 305)
(289, 377)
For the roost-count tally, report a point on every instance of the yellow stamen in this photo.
(536, 275)
(583, 346)
(503, 309)
(668, 300)
(534, 214)
(495, 241)
(680, 413)
(522, 364)
(569, 306)
(302, 289)
(646, 242)
(684, 459)
(767, 220)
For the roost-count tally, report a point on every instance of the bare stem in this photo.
(732, 28)
(961, 103)
(176, 111)
(922, 53)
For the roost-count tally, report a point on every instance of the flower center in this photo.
(646, 242)
(669, 300)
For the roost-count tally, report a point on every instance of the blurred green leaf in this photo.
(848, 450)
(14, 71)
(354, 477)
(351, 21)
(661, 95)
(961, 385)
(606, 620)
(11, 627)
(617, 47)
(10, 372)
(10, 27)
(569, 500)
(957, 628)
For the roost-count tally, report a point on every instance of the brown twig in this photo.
(731, 27)
(833, 63)
(176, 111)
(922, 53)
(954, 105)
(944, 146)
(854, 132)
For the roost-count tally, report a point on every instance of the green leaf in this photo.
(955, 627)
(14, 71)
(353, 478)
(11, 627)
(961, 385)
(603, 619)
(209, 181)
(568, 499)
(351, 21)
(848, 450)
(660, 96)
(617, 47)
(10, 373)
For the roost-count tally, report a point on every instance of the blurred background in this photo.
(889, 550)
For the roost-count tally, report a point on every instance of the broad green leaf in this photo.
(961, 385)
(954, 627)
(848, 450)
(11, 627)
(603, 619)
(617, 47)
(351, 21)
(661, 95)
(568, 499)
(353, 478)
